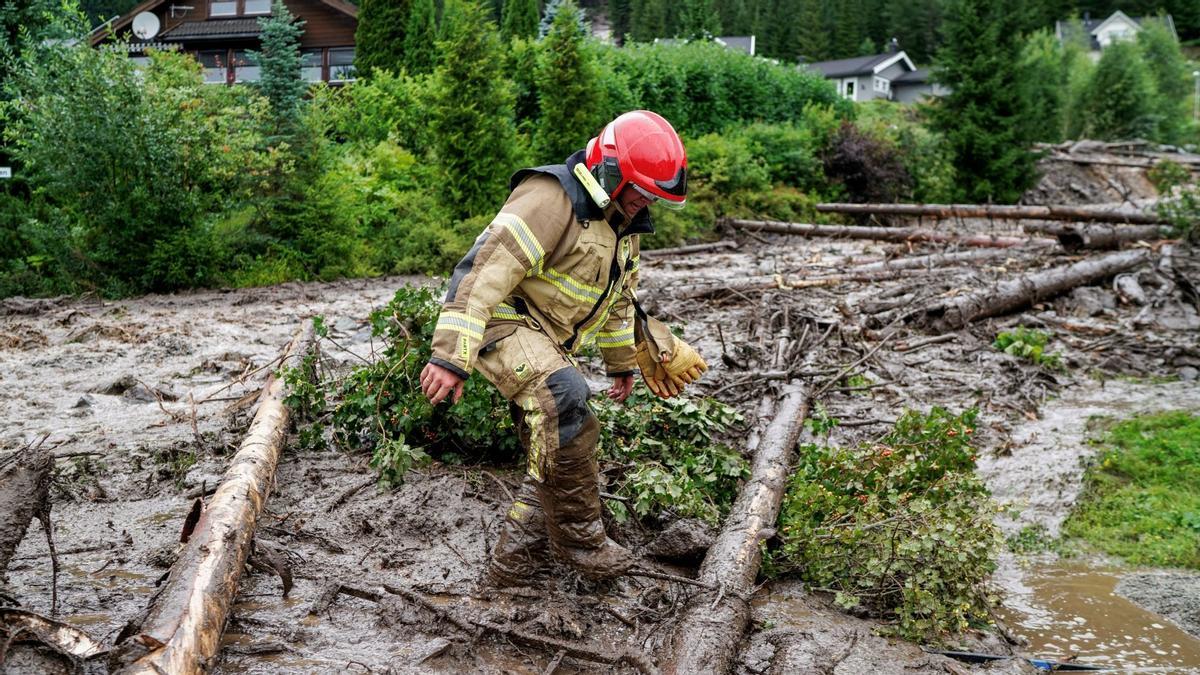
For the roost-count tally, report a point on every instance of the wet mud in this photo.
(142, 402)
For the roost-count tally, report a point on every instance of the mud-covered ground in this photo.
(144, 400)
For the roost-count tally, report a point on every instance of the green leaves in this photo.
(901, 528)
(1028, 344)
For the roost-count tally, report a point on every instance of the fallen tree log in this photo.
(712, 624)
(1012, 294)
(1074, 237)
(786, 283)
(181, 632)
(24, 495)
(690, 248)
(932, 260)
(997, 211)
(899, 234)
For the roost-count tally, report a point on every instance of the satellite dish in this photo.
(145, 25)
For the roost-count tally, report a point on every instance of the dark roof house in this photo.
(219, 33)
(892, 76)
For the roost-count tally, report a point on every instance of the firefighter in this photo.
(556, 270)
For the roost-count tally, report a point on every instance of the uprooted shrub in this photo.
(900, 529)
(663, 458)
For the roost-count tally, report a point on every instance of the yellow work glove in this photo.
(668, 364)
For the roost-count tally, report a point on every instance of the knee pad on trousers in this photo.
(571, 392)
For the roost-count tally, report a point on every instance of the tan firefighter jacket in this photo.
(553, 260)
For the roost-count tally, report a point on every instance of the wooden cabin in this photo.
(221, 32)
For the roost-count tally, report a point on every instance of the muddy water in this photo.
(1066, 609)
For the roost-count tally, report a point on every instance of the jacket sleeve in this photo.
(512, 247)
(615, 339)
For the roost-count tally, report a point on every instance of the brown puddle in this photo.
(1065, 609)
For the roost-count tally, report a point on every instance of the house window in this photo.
(256, 7)
(849, 89)
(882, 84)
(223, 8)
(310, 65)
(341, 64)
(244, 69)
(214, 65)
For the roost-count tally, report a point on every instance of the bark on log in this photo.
(1012, 294)
(998, 211)
(711, 625)
(1074, 237)
(901, 234)
(24, 494)
(182, 631)
(691, 248)
(931, 261)
(785, 283)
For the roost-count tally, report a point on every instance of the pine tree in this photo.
(553, 7)
(812, 39)
(849, 28)
(736, 18)
(472, 112)
(618, 17)
(648, 20)
(279, 60)
(379, 40)
(915, 25)
(420, 37)
(1119, 101)
(984, 117)
(520, 19)
(1043, 81)
(568, 97)
(698, 19)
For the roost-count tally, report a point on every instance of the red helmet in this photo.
(641, 149)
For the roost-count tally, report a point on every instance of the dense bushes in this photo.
(901, 528)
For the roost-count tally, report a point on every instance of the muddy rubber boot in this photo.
(521, 551)
(571, 499)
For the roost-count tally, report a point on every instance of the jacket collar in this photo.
(641, 223)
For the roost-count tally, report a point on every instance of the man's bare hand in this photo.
(621, 388)
(437, 383)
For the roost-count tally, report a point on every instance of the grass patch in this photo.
(1141, 498)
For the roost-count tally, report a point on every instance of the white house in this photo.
(1100, 33)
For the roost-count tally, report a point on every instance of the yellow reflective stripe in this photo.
(637, 262)
(612, 339)
(589, 334)
(504, 311)
(572, 287)
(462, 323)
(524, 238)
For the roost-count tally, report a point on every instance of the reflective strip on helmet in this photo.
(464, 324)
(572, 287)
(612, 339)
(525, 239)
(655, 199)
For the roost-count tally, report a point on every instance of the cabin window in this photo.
(881, 84)
(341, 64)
(256, 7)
(223, 8)
(245, 69)
(214, 65)
(310, 65)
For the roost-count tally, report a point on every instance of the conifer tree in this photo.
(812, 39)
(618, 17)
(472, 112)
(553, 7)
(520, 19)
(279, 59)
(420, 37)
(567, 93)
(379, 40)
(648, 20)
(984, 116)
(1119, 100)
(698, 19)
(1043, 79)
